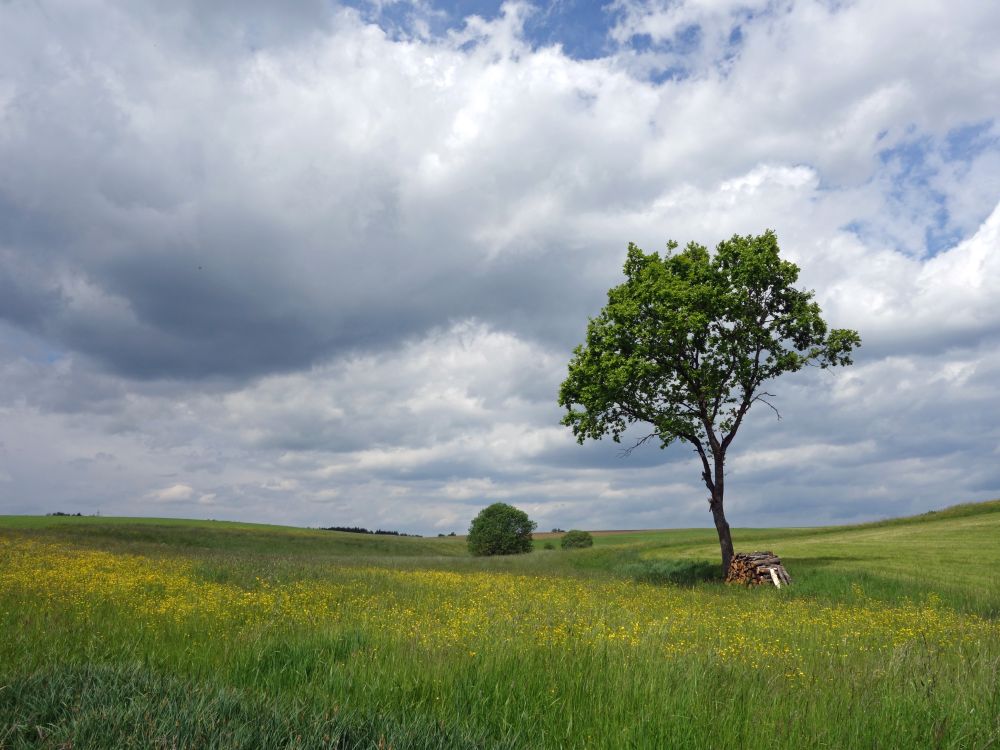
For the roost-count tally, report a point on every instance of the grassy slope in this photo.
(150, 534)
(952, 552)
(132, 696)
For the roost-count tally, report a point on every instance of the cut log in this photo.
(756, 568)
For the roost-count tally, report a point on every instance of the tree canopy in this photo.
(500, 529)
(686, 345)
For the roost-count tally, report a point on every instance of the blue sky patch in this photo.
(914, 167)
(580, 27)
(969, 141)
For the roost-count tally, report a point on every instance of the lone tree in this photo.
(500, 529)
(686, 345)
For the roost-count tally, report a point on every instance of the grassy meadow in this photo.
(153, 633)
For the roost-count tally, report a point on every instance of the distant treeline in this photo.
(60, 513)
(360, 530)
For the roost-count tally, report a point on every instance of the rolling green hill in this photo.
(165, 534)
(119, 632)
(953, 552)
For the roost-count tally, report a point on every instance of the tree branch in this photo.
(760, 397)
(747, 398)
(625, 452)
(707, 473)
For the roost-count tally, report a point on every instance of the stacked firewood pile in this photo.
(755, 568)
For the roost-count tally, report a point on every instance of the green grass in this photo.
(166, 633)
(157, 534)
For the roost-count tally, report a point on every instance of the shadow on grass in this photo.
(822, 562)
(678, 572)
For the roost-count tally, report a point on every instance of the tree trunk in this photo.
(719, 514)
(725, 539)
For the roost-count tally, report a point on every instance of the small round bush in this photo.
(575, 539)
(500, 529)
(548, 545)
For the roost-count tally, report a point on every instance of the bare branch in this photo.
(625, 452)
(760, 397)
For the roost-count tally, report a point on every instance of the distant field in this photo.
(605, 532)
(166, 633)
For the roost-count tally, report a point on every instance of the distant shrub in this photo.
(548, 545)
(576, 539)
(500, 529)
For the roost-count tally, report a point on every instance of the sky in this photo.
(320, 264)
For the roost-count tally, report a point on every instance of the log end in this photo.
(757, 568)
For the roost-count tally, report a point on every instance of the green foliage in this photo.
(500, 529)
(687, 341)
(576, 539)
(548, 545)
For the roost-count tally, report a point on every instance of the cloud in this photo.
(244, 209)
(327, 265)
(173, 493)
